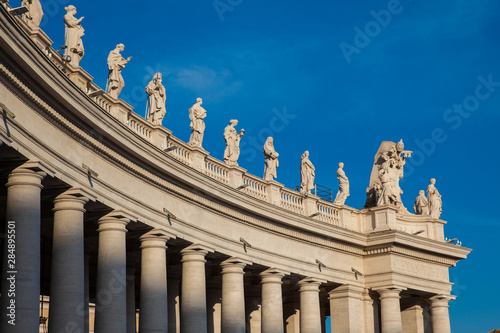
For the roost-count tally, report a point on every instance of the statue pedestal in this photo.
(235, 174)
(383, 217)
(198, 156)
(274, 192)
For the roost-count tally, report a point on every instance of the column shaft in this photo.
(193, 294)
(20, 285)
(272, 301)
(440, 316)
(233, 296)
(310, 315)
(67, 284)
(111, 297)
(153, 315)
(390, 309)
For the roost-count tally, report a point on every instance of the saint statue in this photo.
(434, 198)
(271, 157)
(387, 193)
(343, 192)
(197, 114)
(421, 206)
(388, 169)
(232, 152)
(156, 110)
(115, 64)
(73, 36)
(306, 174)
(35, 13)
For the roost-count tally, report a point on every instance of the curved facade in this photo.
(110, 210)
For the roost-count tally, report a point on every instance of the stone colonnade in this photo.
(352, 308)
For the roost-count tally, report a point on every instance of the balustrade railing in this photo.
(257, 188)
(216, 169)
(140, 126)
(292, 200)
(178, 150)
(328, 213)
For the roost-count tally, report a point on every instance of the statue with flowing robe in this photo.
(306, 174)
(271, 159)
(197, 113)
(435, 203)
(73, 36)
(232, 138)
(343, 192)
(421, 205)
(115, 65)
(156, 101)
(35, 13)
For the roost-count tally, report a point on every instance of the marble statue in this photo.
(115, 65)
(343, 192)
(35, 13)
(232, 152)
(271, 158)
(421, 206)
(73, 36)
(306, 174)
(434, 198)
(388, 169)
(156, 110)
(197, 113)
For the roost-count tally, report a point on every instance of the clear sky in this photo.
(336, 78)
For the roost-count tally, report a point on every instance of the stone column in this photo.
(174, 311)
(440, 316)
(346, 309)
(368, 312)
(390, 309)
(233, 296)
(131, 313)
(193, 294)
(153, 316)
(86, 296)
(310, 316)
(272, 301)
(413, 319)
(67, 281)
(23, 221)
(111, 296)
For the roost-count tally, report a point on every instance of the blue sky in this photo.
(278, 67)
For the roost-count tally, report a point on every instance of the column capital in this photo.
(346, 291)
(195, 252)
(441, 300)
(310, 284)
(72, 199)
(234, 265)
(26, 176)
(116, 220)
(155, 238)
(273, 275)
